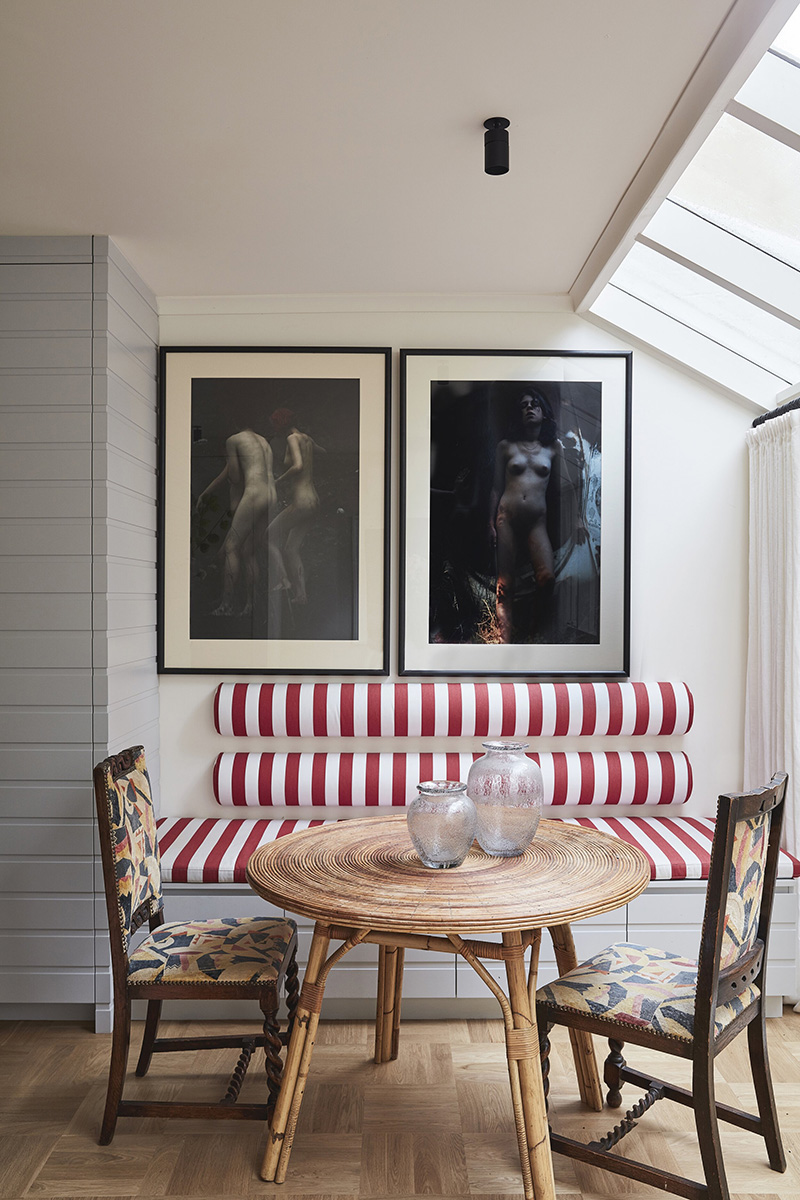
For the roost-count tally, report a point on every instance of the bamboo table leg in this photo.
(287, 1106)
(582, 1045)
(390, 992)
(301, 1043)
(522, 1050)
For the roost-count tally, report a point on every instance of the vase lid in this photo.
(504, 745)
(441, 787)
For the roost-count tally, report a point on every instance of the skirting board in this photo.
(335, 1010)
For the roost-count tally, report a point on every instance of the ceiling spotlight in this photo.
(495, 146)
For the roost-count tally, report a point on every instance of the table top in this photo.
(365, 873)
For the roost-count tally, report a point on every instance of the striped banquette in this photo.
(602, 788)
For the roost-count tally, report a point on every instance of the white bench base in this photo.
(435, 986)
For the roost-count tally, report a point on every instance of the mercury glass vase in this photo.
(441, 821)
(506, 788)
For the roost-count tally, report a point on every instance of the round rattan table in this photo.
(360, 880)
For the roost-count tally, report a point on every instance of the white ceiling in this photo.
(246, 147)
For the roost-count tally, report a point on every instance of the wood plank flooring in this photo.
(437, 1122)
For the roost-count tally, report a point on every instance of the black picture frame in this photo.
(480, 593)
(273, 526)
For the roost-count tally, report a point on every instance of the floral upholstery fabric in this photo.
(640, 986)
(134, 842)
(745, 888)
(226, 950)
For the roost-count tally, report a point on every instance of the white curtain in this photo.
(772, 700)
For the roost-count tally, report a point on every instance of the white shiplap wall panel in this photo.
(78, 333)
(42, 875)
(120, 683)
(44, 763)
(57, 837)
(47, 950)
(133, 429)
(46, 649)
(46, 250)
(128, 725)
(22, 573)
(32, 499)
(64, 281)
(47, 913)
(34, 463)
(132, 578)
(49, 352)
(45, 538)
(138, 544)
(126, 649)
(39, 724)
(42, 610)
(64, 688)
(56, 390)
(124, 526)
(45, 986)
(127, 295)
(47, 425)
(43, 315)
(52, 800)
(130, 473)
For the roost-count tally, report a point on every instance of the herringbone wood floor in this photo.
(437, 1122)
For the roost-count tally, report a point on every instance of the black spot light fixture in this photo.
(495, 146)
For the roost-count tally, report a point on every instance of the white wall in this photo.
(689, 510)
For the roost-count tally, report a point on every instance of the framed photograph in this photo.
(515, 543)
(273, 518)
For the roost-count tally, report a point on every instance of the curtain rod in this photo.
(777, 412)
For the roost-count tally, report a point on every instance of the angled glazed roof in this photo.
(712, 279)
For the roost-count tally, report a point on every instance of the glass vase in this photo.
(506, 788)
(441, 821)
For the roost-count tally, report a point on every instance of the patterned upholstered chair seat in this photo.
(231, 950)
(639, 986)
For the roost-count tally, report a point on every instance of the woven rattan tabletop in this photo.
(365, 873)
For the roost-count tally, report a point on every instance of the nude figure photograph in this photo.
(515, 513)
(275, 508)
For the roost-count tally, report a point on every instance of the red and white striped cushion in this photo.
(328, 779)
(215, 849)
(194, 850)
(677, 847)
(468, 709)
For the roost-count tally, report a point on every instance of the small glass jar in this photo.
(506, 788)
(441, 821)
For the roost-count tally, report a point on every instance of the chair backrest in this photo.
(741, 885)
(128, 843)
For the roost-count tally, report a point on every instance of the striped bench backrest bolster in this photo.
(333, 780)
(468, 709)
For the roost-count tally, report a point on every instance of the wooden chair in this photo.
(690, 1009)
(229, 957)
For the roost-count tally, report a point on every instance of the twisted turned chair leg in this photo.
(272, 1052)
(544, 1058)
(291, 987)
(611, 1072)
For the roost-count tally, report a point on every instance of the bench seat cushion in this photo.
(216, 850)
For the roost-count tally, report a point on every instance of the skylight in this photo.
(749, 184)
(714, 279)
(788, 40)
